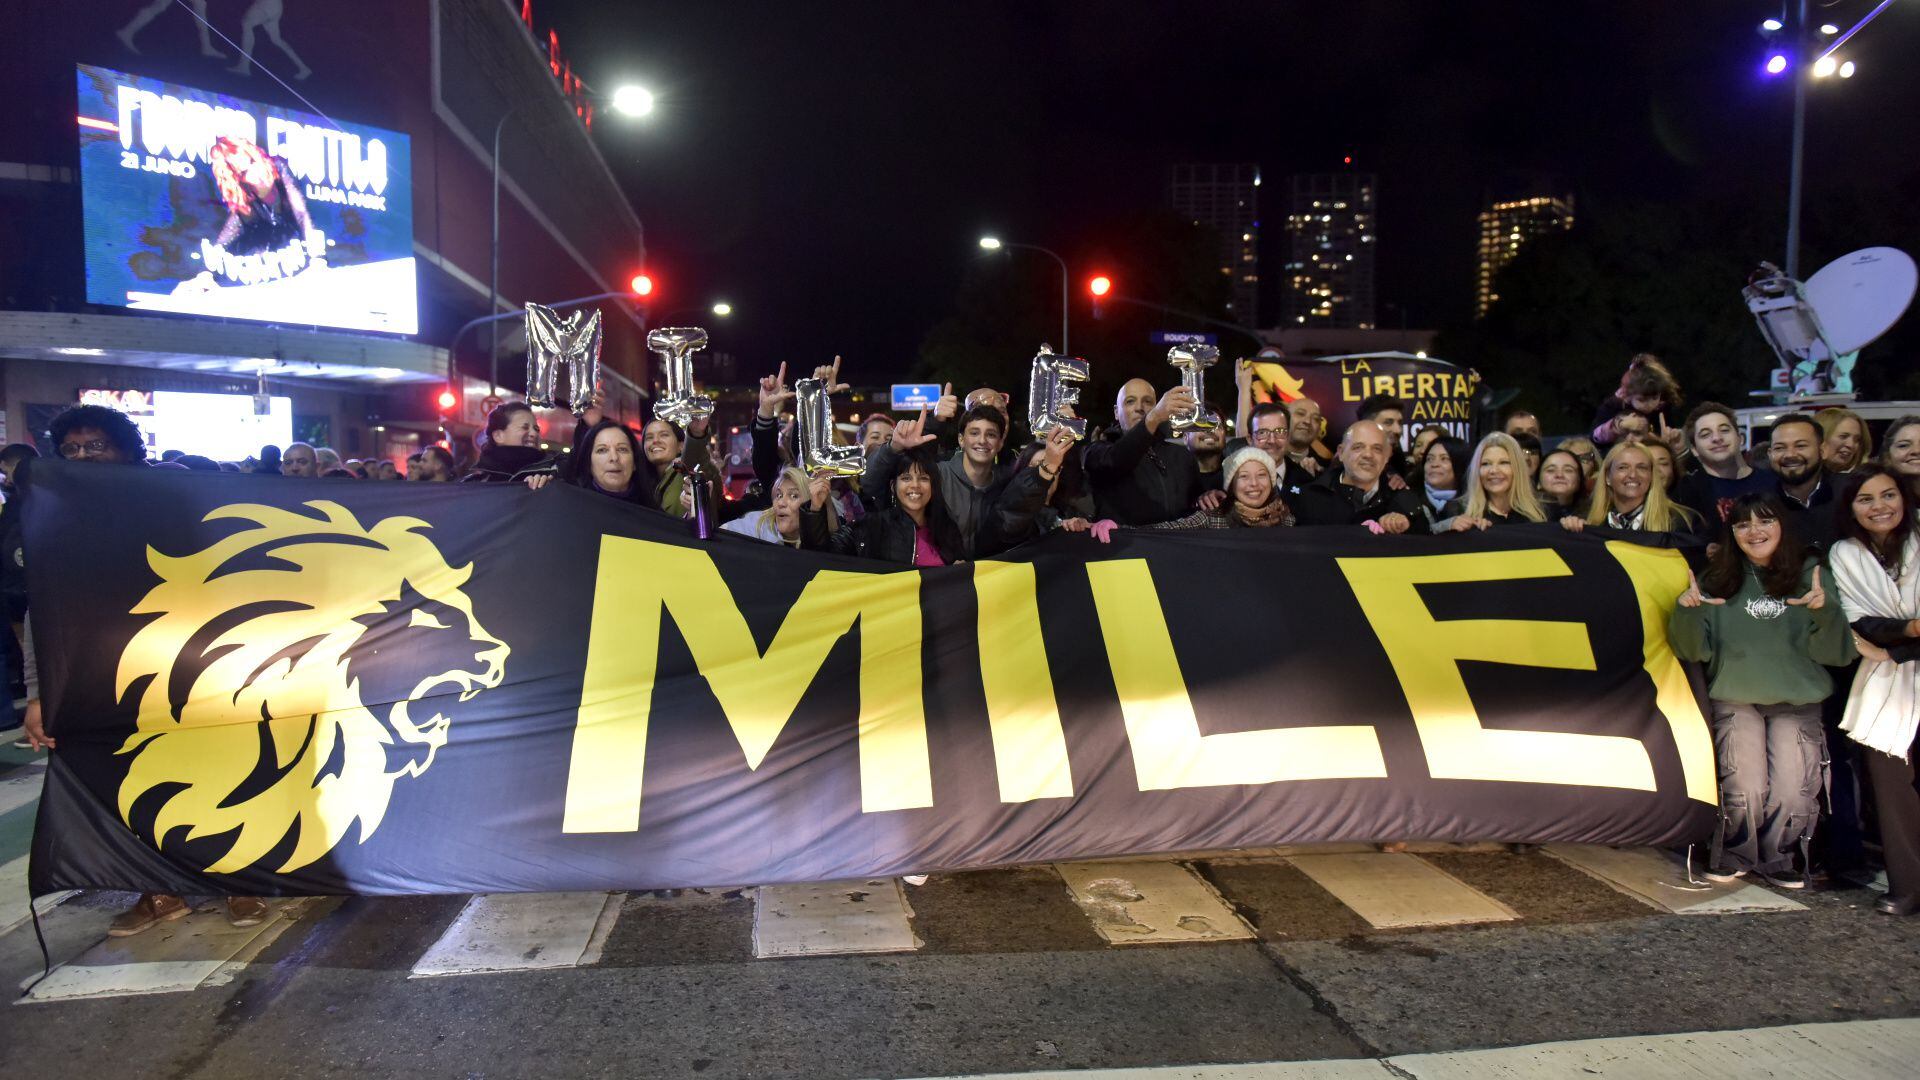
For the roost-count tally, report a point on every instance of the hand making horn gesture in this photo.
(1692, 597)
(830, 374)
(774, 392)
(908, 434)
(1675, 438)
(1816, 597)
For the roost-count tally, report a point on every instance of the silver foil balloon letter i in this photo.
(679, 404)
(553, 342)
(1192, 362)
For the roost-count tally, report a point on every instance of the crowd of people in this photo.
(1803, 615)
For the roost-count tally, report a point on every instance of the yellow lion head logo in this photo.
(281, 676)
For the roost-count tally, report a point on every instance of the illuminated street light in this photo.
(1824, 67)
(1846, 70)
(633, 100)
(1776, 63)
(991, 243)
(642, 285)
(1100, 286)
(1770, 25)
(723, 309)
(1829, 29)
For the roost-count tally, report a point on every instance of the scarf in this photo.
(1883, 710)
(1438, 498)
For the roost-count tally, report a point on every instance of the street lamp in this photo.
(628, 100)
(994, 243)
(633, 100)
(723, 309)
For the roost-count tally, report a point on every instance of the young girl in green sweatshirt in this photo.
(1761, 622)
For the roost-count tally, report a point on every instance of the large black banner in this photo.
(264, 685)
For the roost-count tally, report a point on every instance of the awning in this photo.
(219, 348)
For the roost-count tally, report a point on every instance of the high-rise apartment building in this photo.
(1331, 236)
(1506, 226)
(1226, 199)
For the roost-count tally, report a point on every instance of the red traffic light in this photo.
(642, 285)
(447, 400)
(1100, 286)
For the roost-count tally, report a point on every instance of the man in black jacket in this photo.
(1138, 477)
(1354, 492)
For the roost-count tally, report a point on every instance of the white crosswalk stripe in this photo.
(833, 918)
(1398, 891)
(203, 949)
(522, 932)
(1150, 903)
(1661, 880)
(22, 786)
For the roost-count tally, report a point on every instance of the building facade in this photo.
(1226, 199)
(1331, 233)
(1506, 226)
(306, 224)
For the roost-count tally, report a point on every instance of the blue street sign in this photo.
(915, 396)
(1182, 337)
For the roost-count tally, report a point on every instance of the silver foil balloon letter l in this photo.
(679, 404)
(813, 431)
(1050, 393)
(1192, 361)
(552, 342)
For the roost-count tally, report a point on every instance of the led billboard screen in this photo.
(207, 204)
(224, 427)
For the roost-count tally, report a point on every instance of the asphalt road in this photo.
(1010, 976)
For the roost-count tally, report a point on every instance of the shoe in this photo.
(1898, 905)
(246, 910)
(914, 879)
(1785, 879)
(153, 909)
(1723, 874)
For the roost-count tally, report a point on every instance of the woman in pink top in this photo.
(914, 528)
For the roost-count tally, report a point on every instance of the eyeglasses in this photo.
(90, 448)
(1269, 432)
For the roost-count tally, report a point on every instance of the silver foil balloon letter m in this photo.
(1050, 393)
(679, 404)
(813, 432)
(553, 342)
(1192, 361)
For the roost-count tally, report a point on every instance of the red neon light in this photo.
(98, 125)
(526, 13)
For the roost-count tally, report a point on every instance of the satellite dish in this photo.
(1859, 297)
(1817, 329)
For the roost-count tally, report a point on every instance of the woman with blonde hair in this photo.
(782, 521)
(1629, 496)
(1498, 491)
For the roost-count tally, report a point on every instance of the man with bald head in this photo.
(1353, 490)
(300, 460)
(1139, 476)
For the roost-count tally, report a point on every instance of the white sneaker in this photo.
(914, 879)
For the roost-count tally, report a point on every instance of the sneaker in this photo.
(246, 910)
(914, 879)
(153, 909)
(1723, 874)
(1785, 879)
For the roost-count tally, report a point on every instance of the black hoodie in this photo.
(1139, 478)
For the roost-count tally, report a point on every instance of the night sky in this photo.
(828, 167)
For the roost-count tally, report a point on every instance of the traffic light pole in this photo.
(1194, 316)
